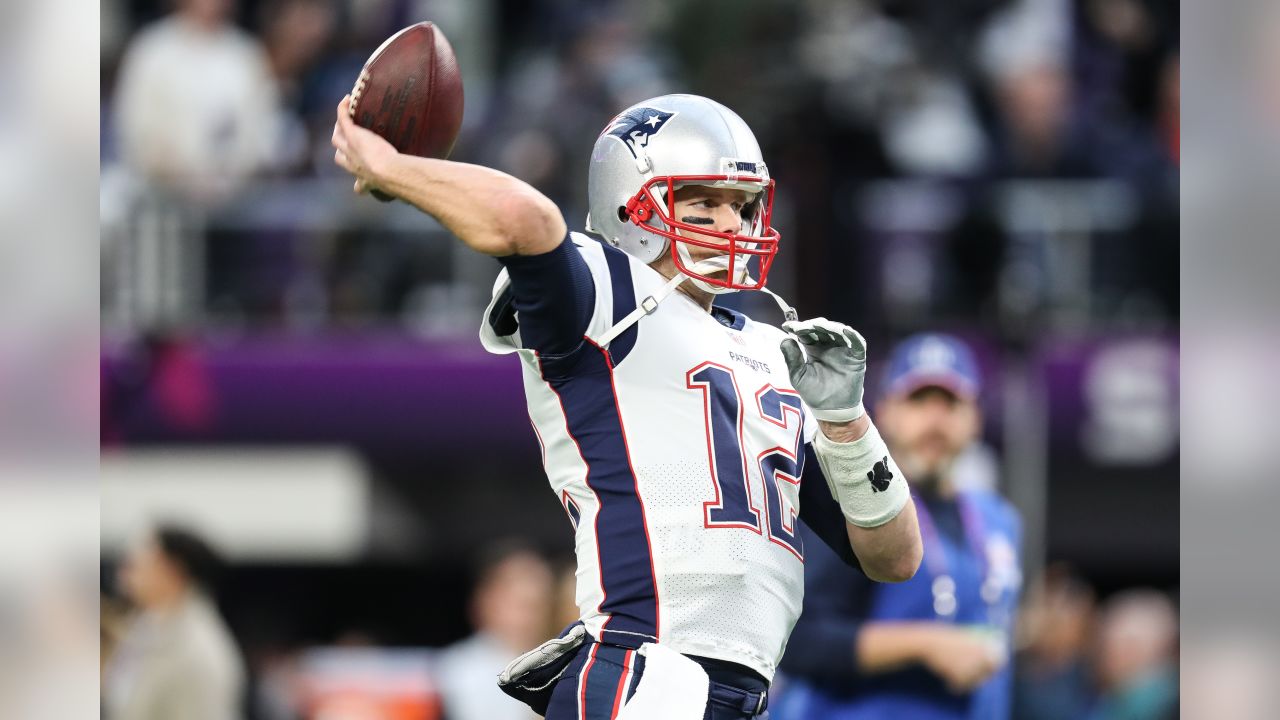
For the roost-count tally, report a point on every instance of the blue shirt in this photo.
(972, 538)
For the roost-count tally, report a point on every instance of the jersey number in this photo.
(735, 505)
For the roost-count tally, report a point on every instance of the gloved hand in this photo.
(831, 369)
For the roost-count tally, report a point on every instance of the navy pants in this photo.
(602, 677)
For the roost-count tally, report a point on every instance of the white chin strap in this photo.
(649, 305)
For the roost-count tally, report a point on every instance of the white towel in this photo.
(673, 687)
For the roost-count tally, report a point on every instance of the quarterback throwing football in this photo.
(684, 440)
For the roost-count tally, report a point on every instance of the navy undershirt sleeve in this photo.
(551, 297)
(820, 512)
(823, 645)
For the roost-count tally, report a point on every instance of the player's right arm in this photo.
(552, 291)
(491, 212)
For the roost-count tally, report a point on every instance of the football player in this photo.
(684, 440)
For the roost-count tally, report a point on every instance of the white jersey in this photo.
(677, 453)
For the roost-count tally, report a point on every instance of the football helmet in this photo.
(653, 148)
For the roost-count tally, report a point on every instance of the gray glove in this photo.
(830, 370)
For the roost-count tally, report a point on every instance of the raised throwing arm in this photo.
(491, 212)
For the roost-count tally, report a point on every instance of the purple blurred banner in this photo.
(1113, 400)
(378, 392)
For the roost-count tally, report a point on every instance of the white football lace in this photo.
(357, 91)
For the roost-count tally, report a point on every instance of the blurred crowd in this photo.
(1082, 657)
(168, 653)
(999, 163)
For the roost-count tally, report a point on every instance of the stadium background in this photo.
(294, 372)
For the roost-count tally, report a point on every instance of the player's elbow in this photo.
(895, 567)
(892, 552)
(907, 564)
(897, 571)
(527, 222)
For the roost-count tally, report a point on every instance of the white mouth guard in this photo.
(649, 305)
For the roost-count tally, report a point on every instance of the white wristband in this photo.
(840, 415)
(863, 478)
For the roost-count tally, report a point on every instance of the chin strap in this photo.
(646, 307)
(649, 305)
(788, 312)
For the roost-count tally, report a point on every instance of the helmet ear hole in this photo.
(622, 214)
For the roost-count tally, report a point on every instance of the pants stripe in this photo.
(620, 695)
(582, 682)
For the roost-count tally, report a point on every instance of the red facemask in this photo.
(740, 248)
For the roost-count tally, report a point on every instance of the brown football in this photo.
(410, 92)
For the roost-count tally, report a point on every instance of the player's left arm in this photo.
(880, 518)
(890, 551)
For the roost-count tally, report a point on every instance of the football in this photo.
(410, 92)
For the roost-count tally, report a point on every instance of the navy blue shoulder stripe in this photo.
(624, 301)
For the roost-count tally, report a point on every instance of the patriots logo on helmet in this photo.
(634, 127)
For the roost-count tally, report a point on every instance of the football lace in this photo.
(357, 91)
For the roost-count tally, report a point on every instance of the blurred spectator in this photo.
(932, 128)
(559, 97)
(566, 608)
(510, 610)
(296, 34)
(1053, 680)
(176, 659)
(938, 645)
(1039, 138)
(196, 103)
(1137, 645)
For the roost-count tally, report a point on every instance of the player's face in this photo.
(211, 12)
(929, 428)
(146, 576)
(718, 209)
(516, 600)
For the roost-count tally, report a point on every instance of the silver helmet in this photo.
(654, 147)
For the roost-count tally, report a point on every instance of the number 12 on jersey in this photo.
(735, 504)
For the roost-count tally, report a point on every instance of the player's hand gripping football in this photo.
(830, 370)
(361, 152)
